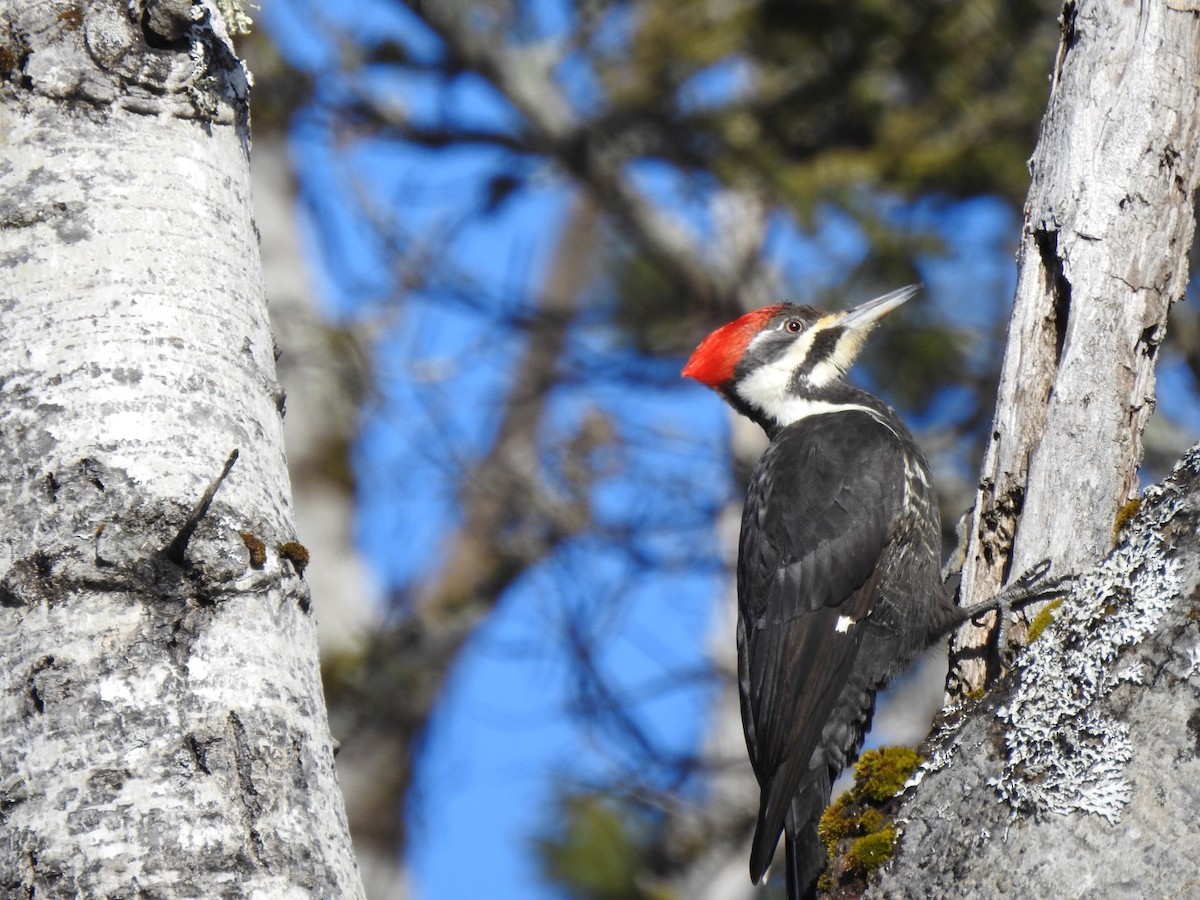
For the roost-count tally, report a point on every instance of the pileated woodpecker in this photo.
(838, 575)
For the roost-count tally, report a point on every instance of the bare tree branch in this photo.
(512, 520)
(525, 78)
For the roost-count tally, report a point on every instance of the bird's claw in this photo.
(1032, 585)
(1029, 586)
(1033, 574)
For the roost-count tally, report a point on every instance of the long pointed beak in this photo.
(867, 314)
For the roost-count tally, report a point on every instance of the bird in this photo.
(839, 560)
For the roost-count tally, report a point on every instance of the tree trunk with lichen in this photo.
(1108, 224)
(1078, 775)
(162, 720)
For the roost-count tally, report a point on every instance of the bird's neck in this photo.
(832, 398)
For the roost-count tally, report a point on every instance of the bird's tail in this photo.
(805, 860)
(774, 811)
(803, 851)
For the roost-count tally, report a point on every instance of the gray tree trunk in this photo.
(1108, 224)
(162, 726)
(1076, 776)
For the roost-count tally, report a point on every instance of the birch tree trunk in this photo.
(1108, 224)
(162, 726)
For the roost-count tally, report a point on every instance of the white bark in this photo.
(162, 727)
(1108, 223)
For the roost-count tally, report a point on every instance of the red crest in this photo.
(713, 362)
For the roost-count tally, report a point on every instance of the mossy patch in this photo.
(857, 833)
(1125, 514)
(1042, 620)
(880, 774)
(871, 851)
(836, 822)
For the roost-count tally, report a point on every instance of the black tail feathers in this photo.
(805, 861)
(803, 851)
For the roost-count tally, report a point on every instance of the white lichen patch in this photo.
(1064, 755)
(233, 13)
(1193, 662)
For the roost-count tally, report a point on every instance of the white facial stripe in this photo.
(794, 355)
(767, 386)
(825, 372)
(838, 363)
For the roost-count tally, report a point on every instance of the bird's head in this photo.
(781, 363)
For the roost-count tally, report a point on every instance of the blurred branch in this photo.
(525, 77)
(512, 520)
(439, 138)
(512, 517)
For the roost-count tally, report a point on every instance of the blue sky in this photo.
(501, 739)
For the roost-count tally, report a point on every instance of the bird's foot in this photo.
(1030, 586)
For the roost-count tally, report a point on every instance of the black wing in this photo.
(821, 504)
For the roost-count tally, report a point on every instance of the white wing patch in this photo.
(843, 625)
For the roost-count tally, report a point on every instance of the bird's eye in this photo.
(792, 325)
